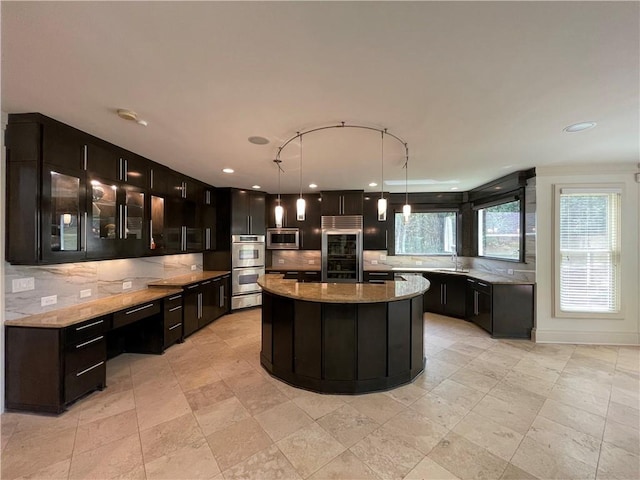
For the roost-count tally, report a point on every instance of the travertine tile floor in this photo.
(484, 408)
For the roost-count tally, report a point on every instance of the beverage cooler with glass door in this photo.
(342, 249)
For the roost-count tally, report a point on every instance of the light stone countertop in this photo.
(67, 316)
(388, 291)
(472, 273)
(188, 279)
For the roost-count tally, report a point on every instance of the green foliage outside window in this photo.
(426, 233)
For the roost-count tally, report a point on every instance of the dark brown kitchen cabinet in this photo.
(342, 202)
(375, 231)
(173, 325)
(505, 310)
(222, 295)
(378, 277)
(446, 294)
(48, 368)
(247, 212)
(208, 219)
(201, 304)
(310, 229)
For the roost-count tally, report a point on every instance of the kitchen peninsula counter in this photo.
(183, 280)
(342, 337)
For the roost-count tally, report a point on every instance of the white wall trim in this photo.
(585, 338)
(600, 168)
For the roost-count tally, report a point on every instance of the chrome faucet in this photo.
(454, 257)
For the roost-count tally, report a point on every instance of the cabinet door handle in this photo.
(386, 239)
(124, 222)
(120, 220)
(150, 234)
(475, 302)
(184, 189)
(89, 342)
(175, 308)
(84, 232)
(85, 155)
(89, 369)
(193, 286)
(200, 305)
(206, 283)
(151, 178)
(183, 243)
(139, 309)
(221, 295)
(89, 325)
(445, 294)
(120, 169)
(175, 326)
(207, 238)
(126, 168)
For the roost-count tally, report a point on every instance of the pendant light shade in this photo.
(382, 202)
(279, 214)
(279, 211)
(406, 208)
(300, 203)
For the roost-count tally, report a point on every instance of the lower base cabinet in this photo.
(204, 302)
(446, 295)
(503, 310)
(173, 324)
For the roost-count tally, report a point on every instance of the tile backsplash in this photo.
(103, 278)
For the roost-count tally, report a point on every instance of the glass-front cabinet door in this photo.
(157, 242)
(116, 220)
(63, 222)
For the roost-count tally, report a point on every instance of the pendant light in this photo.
(279, 211)
(300, 203)
(406, 208)
(382, 202)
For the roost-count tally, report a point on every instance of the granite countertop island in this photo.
(388, 291)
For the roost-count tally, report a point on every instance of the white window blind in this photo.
(589, 239)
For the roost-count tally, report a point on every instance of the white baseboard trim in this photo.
(588, 338)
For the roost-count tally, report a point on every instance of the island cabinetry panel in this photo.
(342, 347)
(446, 295)
(342, 202)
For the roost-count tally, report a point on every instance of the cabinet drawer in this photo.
(86, 330)
(78, 383)
(85, 354)
(172, 333)
(172, 316)
(378, 277)
(484, 287)
(173, 301)
(136, 313)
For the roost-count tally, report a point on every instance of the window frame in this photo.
(518, 195)
(557, 254)
(423, 209)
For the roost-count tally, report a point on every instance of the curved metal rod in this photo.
(344, 125)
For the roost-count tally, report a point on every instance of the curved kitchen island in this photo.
(342, 337)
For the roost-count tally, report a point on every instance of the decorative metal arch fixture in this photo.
(406, 209)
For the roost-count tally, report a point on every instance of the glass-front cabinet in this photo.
(64, 222)
(116, 220)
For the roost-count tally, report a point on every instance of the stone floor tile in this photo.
(623, 414)
(105, 430)
(344, 466)
(457, 394)
(428, 469)
(119, 459)
(208, 395)
(268, 464)
(496, 438)
(166, 437)
(572, 417)
(415, 430)
(377, 406)
(625, 436)
(595, 402)
(192, 461)
(310, 448)
(514, 473)
(465, 459)
(406, 394)
(508, 414)
(439, 410)
(542, 462)
(261, 398)
(617, 463)
(283, 420)
(348, 425)
(238, 442)
(220, 415)
(474, 379)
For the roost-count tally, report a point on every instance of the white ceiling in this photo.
(476, 89)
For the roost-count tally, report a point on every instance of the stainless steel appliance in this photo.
(283, 238)
(342, 249)
(247, 264)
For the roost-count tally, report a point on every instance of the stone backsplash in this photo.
(103, 278)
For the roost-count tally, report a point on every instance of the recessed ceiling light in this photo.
(227, 170)
(454, 188)
(313, 185)
(373, 184)
(258, 140)
(256, 187)
(579, 127)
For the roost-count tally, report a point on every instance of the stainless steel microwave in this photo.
(283, 238)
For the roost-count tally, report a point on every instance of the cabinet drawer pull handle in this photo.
(377, 274)
(470, 281)
(89, 369)
(193, 286)
(207, 282)
(175, 297)
(89, 325)
(483, 284)
(139, 308)
(175, 308)
(175, 326)
(97, 339)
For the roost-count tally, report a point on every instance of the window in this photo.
(499, 234)
(426, 233)
(588, 224)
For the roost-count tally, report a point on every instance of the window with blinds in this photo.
(589, 251)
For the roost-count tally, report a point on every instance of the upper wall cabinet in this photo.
(73, 197)
(346, 202)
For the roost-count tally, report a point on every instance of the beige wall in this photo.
(624, 330)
